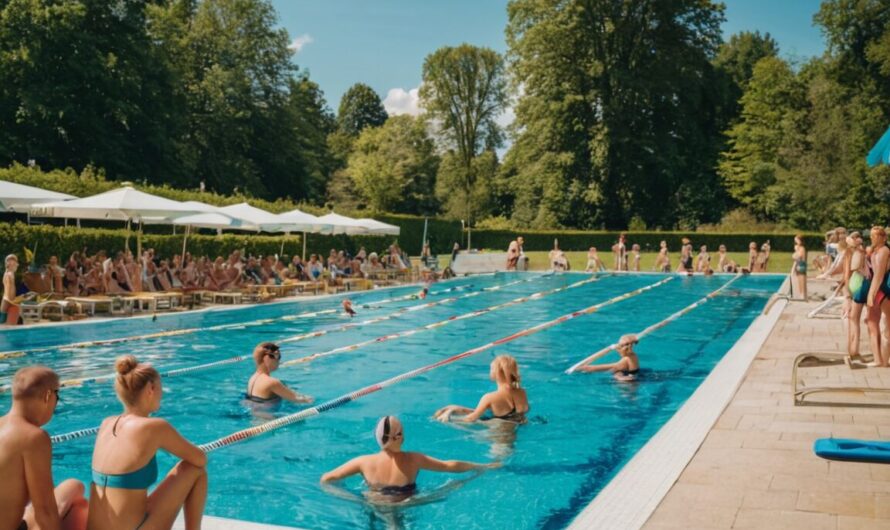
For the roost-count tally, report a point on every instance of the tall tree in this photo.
(617, 116)
(735, 60)
(464, 91)
(394, 166)
(360, 107)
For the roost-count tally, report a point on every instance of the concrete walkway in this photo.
(756, 468)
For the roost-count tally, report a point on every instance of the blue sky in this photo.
(383, 42)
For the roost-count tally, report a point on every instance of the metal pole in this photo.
(304, 246)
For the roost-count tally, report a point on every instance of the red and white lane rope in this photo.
(220, 327)
(593, 357)
(434, 325)
(290, 419)
(239, 358)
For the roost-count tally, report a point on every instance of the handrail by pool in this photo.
(653, 327)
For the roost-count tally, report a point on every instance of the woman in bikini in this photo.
(877, 293)
(663, 261)
(262, 387)
(508, 403)
(125, 465)
(800, 267)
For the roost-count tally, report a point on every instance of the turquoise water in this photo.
(582, 428)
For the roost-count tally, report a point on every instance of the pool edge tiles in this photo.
(219, 523)
(632, 496)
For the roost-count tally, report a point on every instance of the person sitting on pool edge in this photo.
(125, 464)
(28, 499)
(509, 402)
(393, 472)
(262, 387)
(627, 368)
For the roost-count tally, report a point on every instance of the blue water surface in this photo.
(582, 427)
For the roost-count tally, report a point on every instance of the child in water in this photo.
(347, 307)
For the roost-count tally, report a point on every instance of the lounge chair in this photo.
(866, 396)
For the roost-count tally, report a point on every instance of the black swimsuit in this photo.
(513, 416)
(256, 399)
(407, 489)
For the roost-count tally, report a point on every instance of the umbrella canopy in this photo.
(213, 220)
(880, 153)
(122, 204)
(19, 197)
(344, 225)
(378, 228)
(265, 221)
(305, 222)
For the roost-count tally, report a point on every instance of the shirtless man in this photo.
(27, 498)
(8, 304)
(512, 255)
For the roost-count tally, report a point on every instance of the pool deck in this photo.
(756, 468)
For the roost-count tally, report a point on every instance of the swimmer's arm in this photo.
(448, 466)
(353, 467)
(39, 481)
(279, 389)
(174, 443)
(602, 367)
(484, 404)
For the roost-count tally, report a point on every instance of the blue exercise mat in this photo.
(853, 450)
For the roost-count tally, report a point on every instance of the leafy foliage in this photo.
(360, 107)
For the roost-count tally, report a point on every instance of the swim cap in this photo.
(383, 431)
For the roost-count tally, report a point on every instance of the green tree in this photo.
(464, 91)
(768, 107)
(394, 166)
(735, 60)
(360, 107)
(452, 194)
(617, 116)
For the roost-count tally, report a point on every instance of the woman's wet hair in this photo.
(132, 378)
(506, 369)
(262, 350)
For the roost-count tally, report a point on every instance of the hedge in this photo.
(648, 241)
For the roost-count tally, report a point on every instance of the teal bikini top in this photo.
(140, 479)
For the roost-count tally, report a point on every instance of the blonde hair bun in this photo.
(125, 364)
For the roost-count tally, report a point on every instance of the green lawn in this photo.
(778, 262)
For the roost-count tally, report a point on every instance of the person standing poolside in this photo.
(635, 258)
(508, 403)
(857, 275)
(627, 369)
(512, 255)
(800, 267)
(685, 264)
(392, 472)
(125, 465)
(663, 261)
(703, 262)
(619, 251)
(878, 292)
(262, 387)
(594, 263)
(9, 308)
(27, 497)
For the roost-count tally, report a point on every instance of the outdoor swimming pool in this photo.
(582, 427)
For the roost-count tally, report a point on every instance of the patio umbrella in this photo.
(19, 197)
(344, 225)
(122, 204)
(376, 228)
(880, 153)
(210, 219)
(308, 223)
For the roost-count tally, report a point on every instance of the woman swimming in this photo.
(392, 473)
(627, 368)
(125, 465)
(878, 292)
(508, 403)
(262, 387)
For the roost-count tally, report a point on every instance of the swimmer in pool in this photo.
(392, 473)
(347, 307)
(508, 403)
(627, 368)
(262, 387)
(423, 292)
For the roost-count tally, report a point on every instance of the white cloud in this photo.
(401, 101)
(298, 43)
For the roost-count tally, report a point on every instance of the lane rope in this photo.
(593, 357)
(187, 331)
(296, 417)
(336, 402)
(79, 381)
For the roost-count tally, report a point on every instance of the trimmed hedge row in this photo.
(648, 241)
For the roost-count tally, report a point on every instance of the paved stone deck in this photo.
(756, 468)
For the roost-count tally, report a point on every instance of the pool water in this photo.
(582, 427)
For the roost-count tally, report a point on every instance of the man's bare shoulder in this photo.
(18, 432)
